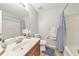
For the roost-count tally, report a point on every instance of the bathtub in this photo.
(72, 51)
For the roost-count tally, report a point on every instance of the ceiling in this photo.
(72, 8)
(14, 9)
(44, 6)
(19, 11)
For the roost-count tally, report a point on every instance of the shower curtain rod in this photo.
(65, 7)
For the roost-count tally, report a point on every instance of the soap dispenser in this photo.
(3, 44)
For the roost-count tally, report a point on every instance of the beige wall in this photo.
(47, 20)
(72, 31)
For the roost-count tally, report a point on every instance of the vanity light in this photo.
(24, 5)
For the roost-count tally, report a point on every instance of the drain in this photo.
(21, 48)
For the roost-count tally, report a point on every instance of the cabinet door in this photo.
(37, 51)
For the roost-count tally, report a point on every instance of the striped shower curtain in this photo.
(61, 33)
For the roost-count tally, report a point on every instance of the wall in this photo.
(32, 19)
(0, 21)
(72, 31)
(72, 25)
(10, 25)
(48, 19)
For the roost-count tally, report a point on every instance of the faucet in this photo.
(27, 33)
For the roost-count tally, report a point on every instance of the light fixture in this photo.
(23, 4)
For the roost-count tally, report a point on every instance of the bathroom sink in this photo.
(20, 46)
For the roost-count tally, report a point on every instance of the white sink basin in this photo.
(21, 45)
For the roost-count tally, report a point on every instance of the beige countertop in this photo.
(21, 48)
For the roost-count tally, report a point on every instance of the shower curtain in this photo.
(61, 33)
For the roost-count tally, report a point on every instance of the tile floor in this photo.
(58, 53)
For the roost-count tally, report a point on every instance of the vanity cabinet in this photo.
(35, 50)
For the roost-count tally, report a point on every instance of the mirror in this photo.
(14, 19)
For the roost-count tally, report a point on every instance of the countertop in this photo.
(15, 50)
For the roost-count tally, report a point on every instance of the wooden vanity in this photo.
(34, 51)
